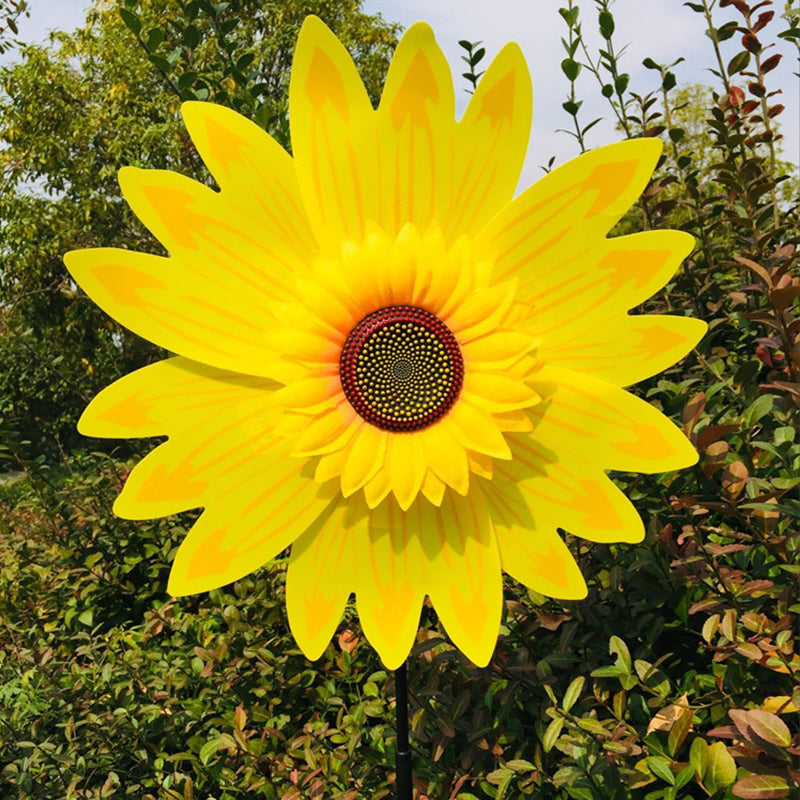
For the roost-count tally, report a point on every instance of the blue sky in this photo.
(660, 29)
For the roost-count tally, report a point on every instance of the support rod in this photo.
(403, 754)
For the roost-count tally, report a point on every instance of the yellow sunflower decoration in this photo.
(385, 361)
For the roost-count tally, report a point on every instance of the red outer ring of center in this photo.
(361, 334)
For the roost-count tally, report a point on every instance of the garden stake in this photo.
(403, 753)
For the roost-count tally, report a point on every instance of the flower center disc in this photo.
(401, 368)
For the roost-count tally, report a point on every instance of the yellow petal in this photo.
(612, 274)
(365, 457)
(481, 312)
(183, 308)
(598, 423)
(177, 395)
(497, 350)
(491, 142)
(416, 127)
(446, 456)
(390, 578)
(589, 194)
(246, 525)
(539, 488)
(255, 173)
(320, 578)
(433, 488)
(333, 131)
(448, 553)
(406, 465)
(496, 392)
(310, 395)
(329, 431)
(476, 430)
(465, 579)
(623, 349)
(377, 488)
(531, 550)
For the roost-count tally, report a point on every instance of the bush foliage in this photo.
(677, 677)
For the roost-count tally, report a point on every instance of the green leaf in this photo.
(607, 90)
(573, 693)
(720, 768)
(86, 617)
(606, 22)
(498, 776)
(132, 22)
(608, 672)
(758, 409)
(739, 62)
(155, 38)
(660, 769)
(617, 647)
(570, 68)
(186, 80)
(785, 433)
(669, 81)
(684, 776)
(698, 756)
(191, 37)
(570, 16)
(520, 765)
(552, 733)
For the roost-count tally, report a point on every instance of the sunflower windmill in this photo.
(385, 361)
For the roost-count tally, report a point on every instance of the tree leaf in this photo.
(762, 787)
(573, 693)
(720, 768)
(769, 727)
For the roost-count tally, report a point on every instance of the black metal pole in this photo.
(403, 756)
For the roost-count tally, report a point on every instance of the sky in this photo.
(660, 29)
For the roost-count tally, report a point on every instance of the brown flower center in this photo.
(401, 368)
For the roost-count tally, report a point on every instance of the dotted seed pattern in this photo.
(401, 368)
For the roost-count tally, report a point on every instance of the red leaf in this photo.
(762, 787)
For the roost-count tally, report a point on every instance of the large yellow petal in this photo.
(596, 423)
(600, 275)
(624, 349)
(391, 570)
(448, 553)
(177, 395)
(416, 127)
(365, 457)
(320, 577)
(465, 583)
(531, 551)
(490, 143)
(546, 234)
(544, 490)
(247, 522)
(256, 175)
(334, 143)
(214, 299)
(222, 455)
